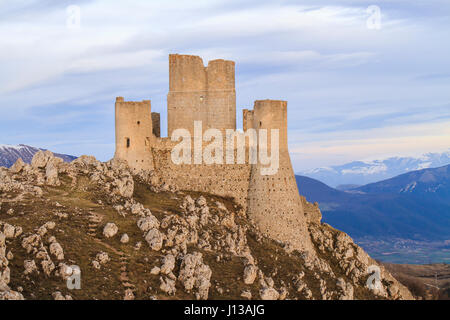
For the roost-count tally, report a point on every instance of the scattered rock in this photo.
(346, 289)
(147, 223)
(41, 158)
(155, 270)
(110, 230)
(246, 294)
(129, 295)
(168, 264)
(124, 238)
(96, 264)
(30, 266)
(154, 239)
(194, 274)
(269, 294)
(138, 245)
(48, 266)
(57, 250)
(250, 273)
(167, 285)
(102, 257)
(59, 296)
(18, 166)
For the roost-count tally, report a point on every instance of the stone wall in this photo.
(273, 200)
(134, 133)
(220, 179)
(198, 93)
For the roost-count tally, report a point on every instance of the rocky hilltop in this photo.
(128, 236)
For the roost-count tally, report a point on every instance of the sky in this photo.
(359, 84)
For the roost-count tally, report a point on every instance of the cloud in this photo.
(341, 79)
(310, 151)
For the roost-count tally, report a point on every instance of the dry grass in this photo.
(421, 279)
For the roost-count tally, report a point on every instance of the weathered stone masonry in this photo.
(208, 94)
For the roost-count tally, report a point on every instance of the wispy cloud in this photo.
(342, 80)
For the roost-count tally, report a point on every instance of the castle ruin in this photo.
(207, 94)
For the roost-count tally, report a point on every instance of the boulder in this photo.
(124, 238)
(129, 295)
(269, 294)
(194, 274)
(48, 266)
(154, 239)
(59, 296)
(9, 231)
(17, 166)
(41, 158)
(250, 273)
(102, 257)
(168, 264)
(147, 223)
(51, 171)
(155, 270)
(110, 230)
(11, 295)
(57, 251)
(168, 285)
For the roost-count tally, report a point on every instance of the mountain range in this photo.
(10, 153)
(364, 172)
(414, 205)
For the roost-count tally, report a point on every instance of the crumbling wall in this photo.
(221, 179)
(198, 93)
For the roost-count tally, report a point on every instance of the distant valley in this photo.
(405, 218)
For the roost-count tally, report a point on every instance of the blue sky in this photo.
(353, 92)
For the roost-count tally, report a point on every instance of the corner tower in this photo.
(199, 93)
(134, 132)
(274, 202)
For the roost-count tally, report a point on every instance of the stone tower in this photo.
(200, 93)
(274, 202)
(134, 131)
(207, 94)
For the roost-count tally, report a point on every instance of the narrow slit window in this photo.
(128, 142)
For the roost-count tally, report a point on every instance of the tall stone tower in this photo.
(134, 131)
(200, 93)
(274, 202)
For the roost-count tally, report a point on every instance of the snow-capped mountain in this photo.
(434, 181)
(413, 205)
(364, 172)
(9, 154)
